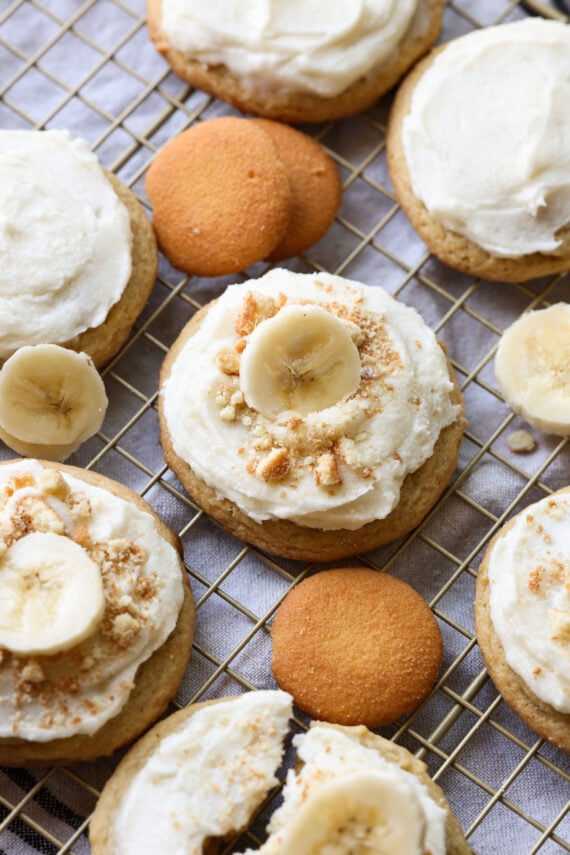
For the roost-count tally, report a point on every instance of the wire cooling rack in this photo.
(89, 67)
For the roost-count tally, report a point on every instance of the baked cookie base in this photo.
(420, 491)
(453, 249)
(300, 106)
(101, 825)
(103, 342)
(541, 717)
(156, 681)
(100, 831)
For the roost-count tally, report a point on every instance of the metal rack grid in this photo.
(89, 67)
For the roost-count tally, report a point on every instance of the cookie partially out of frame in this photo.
(291, 106)
(156, 680)
(103, 342)
(419, 492)
(540, 716)
(448, 246)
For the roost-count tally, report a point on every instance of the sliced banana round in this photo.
(51, 594)
(532, 367)
(51, 400)
(364, 813)
(301, 359)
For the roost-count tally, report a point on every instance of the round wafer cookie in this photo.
(221, 197)
(355, 646)
(316, 189)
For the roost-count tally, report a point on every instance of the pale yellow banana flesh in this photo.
(51, 400)
(532, 367)
(363, 813)
(51, 595)
(302, 359)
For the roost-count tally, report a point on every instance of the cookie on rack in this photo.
(311, 416)
(355, 646)
(195, 778)
(221, 197)
(340, 62)
(351, 788)
(482, 206)
(96, 616)
(522, 615)
(79, 254)
(198, 777)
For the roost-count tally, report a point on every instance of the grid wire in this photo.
(89, 67)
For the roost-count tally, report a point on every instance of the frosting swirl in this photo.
(65, 239)
(529, 596)
(303, 45)
(487, 137)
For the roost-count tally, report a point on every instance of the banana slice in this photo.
(364, 813)
(51, 594)
(532, 367)
(51, 400)
(302, 359)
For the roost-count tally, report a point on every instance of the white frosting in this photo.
(205, 779)
(65, 239)
(301, 45)
(78, 690)
(370, 441)
(529, 594)
(329, 754)
(487, 138)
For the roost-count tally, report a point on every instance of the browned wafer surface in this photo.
(450, 247)
(419, 492)
(221, 197)
(103, 342)
(355, 646)
(156, 680)
(316, 190)
(541, 717)
(296, 106)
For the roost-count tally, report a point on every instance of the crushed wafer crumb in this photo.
(275, 466)
(521, 442)
(326, 471)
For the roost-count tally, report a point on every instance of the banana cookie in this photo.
(199, 776)
(196, 777)
(311, 416)
(96, 616)
(522, 615)
(296, 62)
(482, 206)
(338, 647)
(79, 254)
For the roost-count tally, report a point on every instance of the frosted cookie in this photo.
(339, 62)
(481, 206)
(79, 255)
(196, 777)
(355, 646)
(221, 197)
(522, 615)
(311, 416)
(354, 791)
(96, 617)
(316, 189)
